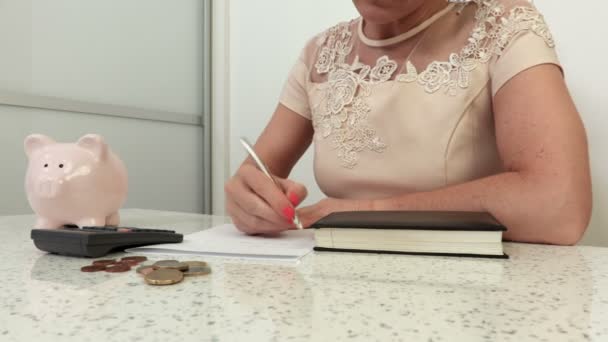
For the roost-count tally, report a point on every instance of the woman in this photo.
(427, 105)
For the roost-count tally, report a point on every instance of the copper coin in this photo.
(118, 268)
(136, 258)
(129, 262)
(164, 276)
(104, 262)
(145, 269)
(196, 263)
(197, 271)
(93, 268)
(170, 264)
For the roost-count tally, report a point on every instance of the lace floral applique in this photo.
(490, 37)
(343, 113)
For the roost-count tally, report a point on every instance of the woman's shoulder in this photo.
(517, 33)
(504, 4)
(498, 22)
(340, 35)
(343, 29)
(502, 12)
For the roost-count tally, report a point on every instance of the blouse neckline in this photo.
(405, 35)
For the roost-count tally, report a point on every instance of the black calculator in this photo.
(95, 242)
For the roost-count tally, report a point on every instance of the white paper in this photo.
(227, 240)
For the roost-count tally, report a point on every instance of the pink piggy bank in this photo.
(83, 183)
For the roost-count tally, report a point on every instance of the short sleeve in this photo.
(294, 95)
(524, 51)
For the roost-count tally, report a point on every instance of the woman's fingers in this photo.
(295, 192)
(271, 193)
(243, 196)
(258, 205)
(250, 224)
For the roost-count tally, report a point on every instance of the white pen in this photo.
(264, 169)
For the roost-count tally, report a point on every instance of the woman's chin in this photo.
(381, 14)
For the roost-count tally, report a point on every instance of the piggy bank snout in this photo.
(47, 187)
(46, 181)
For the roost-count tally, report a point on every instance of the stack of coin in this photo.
(113, 265)
(168, 272)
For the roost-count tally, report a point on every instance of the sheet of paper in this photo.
(227, 240)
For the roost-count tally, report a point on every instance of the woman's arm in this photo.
(544, 195)
(254, 203)
(284, 140)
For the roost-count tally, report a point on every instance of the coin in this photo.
(170, 264)
(93, 268)
(164, 276)
(136, 258)
(118, 268)
(129, 262)
(195, 263)
(197, 271)
(145, 269)
(104, 262)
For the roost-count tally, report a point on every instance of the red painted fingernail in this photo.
(294, 199)
(289, 213)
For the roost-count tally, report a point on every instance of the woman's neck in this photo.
(411, 20)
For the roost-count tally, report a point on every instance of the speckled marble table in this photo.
(542, 293)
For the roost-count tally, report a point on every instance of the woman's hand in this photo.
(311, 214)
(257, 206)
(255, 203)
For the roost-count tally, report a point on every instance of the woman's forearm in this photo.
(534, 209)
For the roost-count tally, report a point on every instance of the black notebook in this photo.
(445, 233)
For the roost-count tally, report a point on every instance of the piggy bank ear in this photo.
(35, 142)
(95, 144)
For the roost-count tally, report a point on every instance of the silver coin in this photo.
(197, 271)
(170, 264)
(196, 263)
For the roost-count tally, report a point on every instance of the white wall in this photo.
(265, 37)
(141, 55)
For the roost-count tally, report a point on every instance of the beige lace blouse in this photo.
(413, 112)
